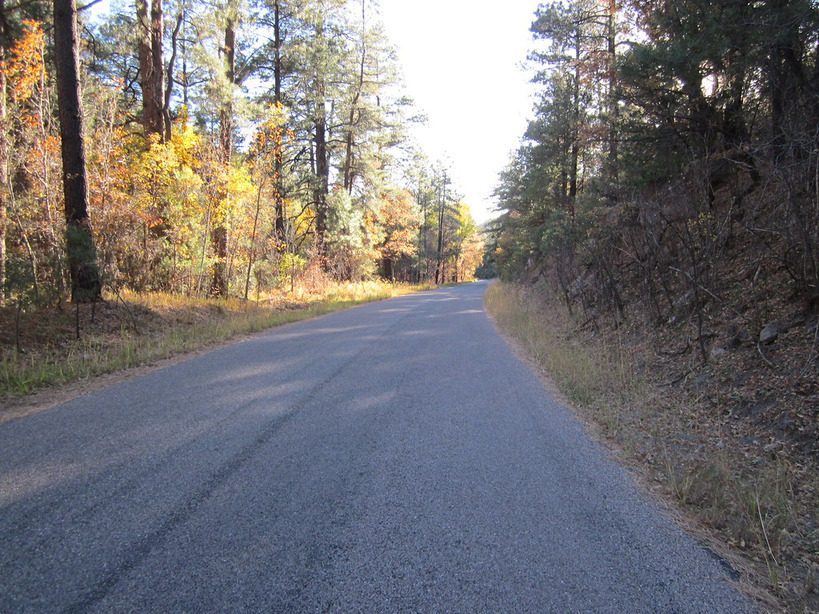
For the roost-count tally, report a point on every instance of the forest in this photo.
(667, 134)
(226, 148)
(671, 168)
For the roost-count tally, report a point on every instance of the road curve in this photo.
(395, 457)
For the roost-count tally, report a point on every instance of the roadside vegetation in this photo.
(753, 499)
(49, 346)
(230, 154)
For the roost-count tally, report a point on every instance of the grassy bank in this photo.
(756, 503)
(128, 330)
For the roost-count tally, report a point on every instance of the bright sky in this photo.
(462, 63)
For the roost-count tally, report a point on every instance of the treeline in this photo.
(229, 148)
(672, 159)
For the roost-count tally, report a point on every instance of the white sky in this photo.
(462, 64)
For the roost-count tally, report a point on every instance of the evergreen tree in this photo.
(82, 257)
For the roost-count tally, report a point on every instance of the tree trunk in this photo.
(785, 76)
(150, 66)
(219, 237)
(422, 233)
(277, 52)
(439, 254)
(226, 114)
(252, 255)
(4, 151)
(321, 154)
(184, 52)
(166, 102)
(278, 153)
(218, 283)
(82, 256)
(322, 183)
(575, 147)
(350, 139)
(3, 172)
(613, 108)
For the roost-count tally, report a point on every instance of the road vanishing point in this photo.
(395, 457)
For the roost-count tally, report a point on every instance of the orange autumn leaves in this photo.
(25, 67)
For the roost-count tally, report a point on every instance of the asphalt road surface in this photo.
(395, 457)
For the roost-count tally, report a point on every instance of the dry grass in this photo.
(134, 329)
(759, 505)
(588, 377)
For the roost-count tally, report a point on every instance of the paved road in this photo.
(391, 458)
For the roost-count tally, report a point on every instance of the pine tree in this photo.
(82, 257)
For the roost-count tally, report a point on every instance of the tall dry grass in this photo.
(761, 508)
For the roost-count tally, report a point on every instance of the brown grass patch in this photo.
(48, 346)
(755, 501)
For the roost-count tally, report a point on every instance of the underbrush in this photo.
(55, 346)
(756, 503)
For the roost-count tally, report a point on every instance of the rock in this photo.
(716, 353)
(772, 330)
(736, 336)
(769, 333)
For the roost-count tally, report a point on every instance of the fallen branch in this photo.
(762, 355)
(708, 292)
